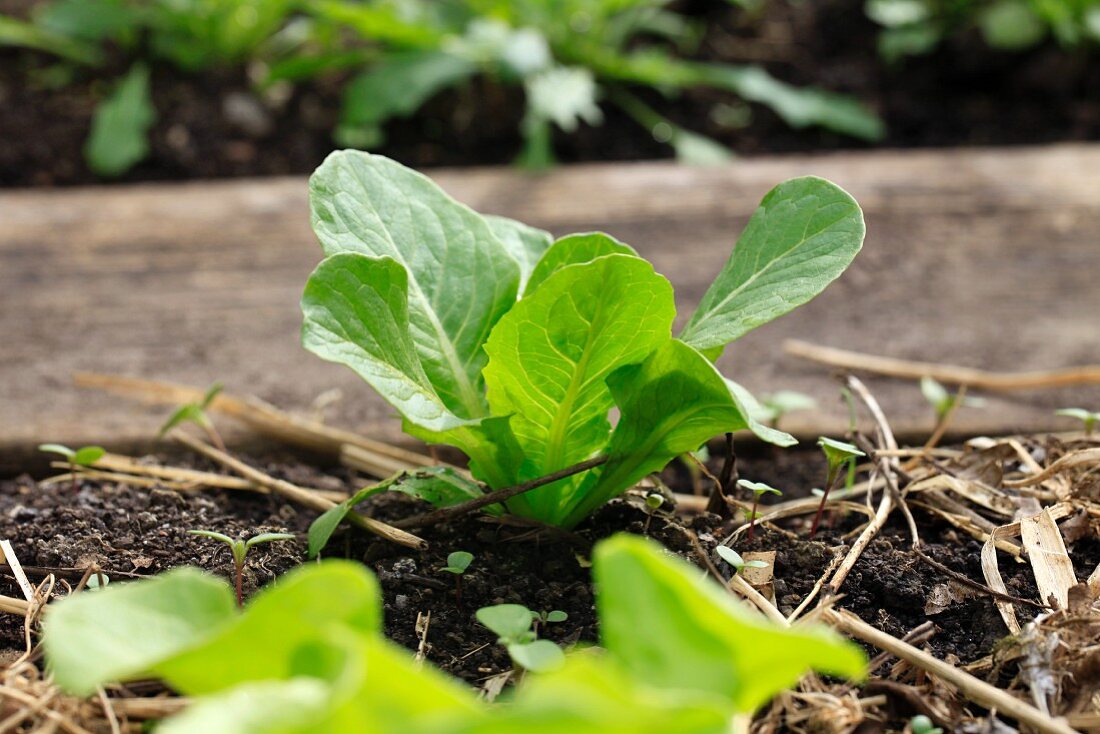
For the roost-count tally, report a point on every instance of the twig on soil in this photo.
(300, 495)
(971, 583)
(974, 689)
(492, 498)
(17, 570)
(947, 374)
(837, 558)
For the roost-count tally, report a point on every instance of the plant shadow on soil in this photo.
(127, 530)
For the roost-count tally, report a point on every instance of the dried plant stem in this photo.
(974, 689)
(299, 495)
(500, 495)
(947, 374)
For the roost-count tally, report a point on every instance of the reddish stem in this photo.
(829, 482)
(458, 591)
(239, 584)
(72, 470)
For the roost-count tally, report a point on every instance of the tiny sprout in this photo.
(84, 456)
(457, 563)
(196, 413)
(240, 549)
(513, 625)
(942, 401)
(921, 724)
(837, 453)
(779, 404)
(654, 501)
(757, 489)
(1087, 417)
(734, 559)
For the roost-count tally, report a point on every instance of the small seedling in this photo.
(196, 413)
(513, 625)
(653, 502)
(942, 401)
(83, 456)
(734, 559)
(240, 549)
(457, 563)
(553, 617)
(779, 404)
(1087, 417)
(921, 724)
(758, 489)
(837, 454)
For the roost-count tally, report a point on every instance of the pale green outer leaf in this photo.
(356, 314)
(284, 632)
(526, 244)
(57, 448)
(120, 125)
(461, 278)
(804, 234)
(90, 639)
(670, 404)
(672, 629)
(572, 250)
(549, 358)
(750, 408)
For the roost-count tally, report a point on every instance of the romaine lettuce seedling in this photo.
(837, 454)
(485, 334)
(457, 563)
(758, 489)
(921, 724)
(778, 404)
(196, 413)
(240, 549)
(513, 624)
(942, 401)
(84, 456)
(1087, 418)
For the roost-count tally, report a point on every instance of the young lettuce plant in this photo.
(758, 489)
(196, 413)
(239, 548)
(734, 559)
(513, 624)
(486, 335)
(782, 402)
(83, 456)
(837, 454)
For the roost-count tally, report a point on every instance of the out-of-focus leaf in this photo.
(565, 96)
(526, 244)
(714, 646)
(118, 139)
(1011, 24)
(14, 32)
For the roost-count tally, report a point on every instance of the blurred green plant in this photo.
(83, 456)
(914, 27)
(307, 655)
(570, 58)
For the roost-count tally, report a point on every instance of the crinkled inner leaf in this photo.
(572, 250)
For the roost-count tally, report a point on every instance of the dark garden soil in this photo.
(128, 531)
(213, 125)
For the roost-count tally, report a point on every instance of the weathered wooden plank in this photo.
(987, 258)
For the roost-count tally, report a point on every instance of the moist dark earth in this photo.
(963, 94)
(129, 531)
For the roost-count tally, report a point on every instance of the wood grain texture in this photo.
(985, 258)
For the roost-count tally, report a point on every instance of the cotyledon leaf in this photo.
(670, 404)
(550, 355)
(803, 235)
(572, 250)
(526, 244)
(461, 278)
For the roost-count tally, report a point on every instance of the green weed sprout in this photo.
(457, 563)
(758, 489)
(734, 559)
(921, 724)
(942, 401)
(837, 454)
(1087, 417)
(513, 625)
(196, 413)
(780, 403)
(83, 456)
(240, 549)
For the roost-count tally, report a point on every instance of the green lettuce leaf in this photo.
(572, 250)
(802, 237)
